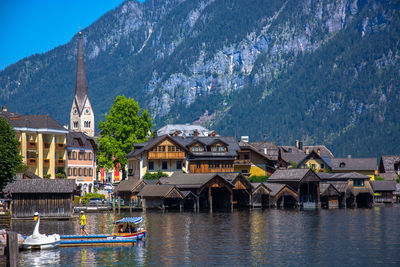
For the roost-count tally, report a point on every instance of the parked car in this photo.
(108, 187)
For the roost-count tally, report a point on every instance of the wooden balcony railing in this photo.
(166, 155)
(46, 162)
(31, 161)
(31, 145)
(60, 163)
(60, 146)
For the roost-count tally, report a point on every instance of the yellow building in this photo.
(314, 161)
(42, 142)
(251, 162)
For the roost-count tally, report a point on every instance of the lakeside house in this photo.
(383, 191)
(366, 166)
(49, 197)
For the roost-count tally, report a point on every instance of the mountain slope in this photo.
(323, 72)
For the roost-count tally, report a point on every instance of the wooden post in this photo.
(130, 207)
(12, 249)
(119, 204)
(180, 205)
(198, 203)
(231, 200)
(113, 203)
(251, 200)
(210, 199)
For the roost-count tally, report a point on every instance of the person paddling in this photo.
(83, 223)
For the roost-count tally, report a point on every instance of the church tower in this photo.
(82, 115)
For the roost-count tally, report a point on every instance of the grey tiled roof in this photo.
(341, 176)
(41, 186)
(294, 157)
(354, 164)
(127, 185)
(328, 189)
(383, 185)
(275, 188)
(325, 152)
(262, 147)
(191, 180)
(87, 141)
(156, 190)
(289, 175)
(32, 121)
(339, 185)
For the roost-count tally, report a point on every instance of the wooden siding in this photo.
(166, 155)
(48, 205)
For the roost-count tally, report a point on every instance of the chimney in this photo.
(307, 150)
(300, 145)
(319, 151)
(4, 108)
(349, 156)
(297, 144)
(265, 151)
(66, 126)
(244, 138)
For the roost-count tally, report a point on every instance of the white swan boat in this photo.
(41, 241)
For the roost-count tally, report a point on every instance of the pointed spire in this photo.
(81, 87)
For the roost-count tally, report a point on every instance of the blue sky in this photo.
(36, 26)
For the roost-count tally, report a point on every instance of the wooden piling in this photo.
(12, 249)
(119, 204)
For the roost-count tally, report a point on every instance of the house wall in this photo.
(224, 166)
(316, 162)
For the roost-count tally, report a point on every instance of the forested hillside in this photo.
(325, 72)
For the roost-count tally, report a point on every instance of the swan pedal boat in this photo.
(40, 241)
(132, 231)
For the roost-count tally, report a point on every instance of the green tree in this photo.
(124, 126)
(10, 159)
(154, 176)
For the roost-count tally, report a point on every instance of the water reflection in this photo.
(256, 237)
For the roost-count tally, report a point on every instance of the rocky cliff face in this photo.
(225, 61)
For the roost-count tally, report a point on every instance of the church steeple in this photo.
(81, 87)
(82, 115)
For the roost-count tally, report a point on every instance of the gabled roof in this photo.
(327, 189)
(246, 145)
(291, 175)
(139, 148)
(80, 140)
(232, 177)
(383, 185)
(158, 191)
(275, 188)
(315, 155)
(262, 147)
(293, 157)
(41, 186)
(324, 151)
(81, 87)
(192, 180)
(127, 185)
(339, 185)
(354, 164)
(387, 163)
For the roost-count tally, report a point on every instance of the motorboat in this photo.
(129, 227)
(40, 241)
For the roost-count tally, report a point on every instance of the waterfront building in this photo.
(81, 160)
(329, 195)
(250, 161)
(51, 198)
(82, 114)
(355, 188)
(273, 195)
(128, 189)
(315, 161)
(304, 181)
(42, 143)
(389, 167)
(194, 154)
(366, 166)
(383, 191)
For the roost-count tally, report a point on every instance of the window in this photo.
(75, 124)
(80, 171)
(358, 182)
(85, 172)
(322, 166)
(80, 155)
(90, 172)
(75, 172)
(74, 155)
(246, 156)
(151, 165)
(85, 156)
(90, 155)
(178, 165)
(164, 165)
(198, 165)
(69, 171)
(342, 165)
(69, 155)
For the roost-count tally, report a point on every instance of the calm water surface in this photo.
(362, 237)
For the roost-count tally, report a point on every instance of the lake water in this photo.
(362, 237)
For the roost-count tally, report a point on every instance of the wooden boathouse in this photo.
(50, 197)
(329, 195)
(274, 195)
(383, 191)
(304, 181)
(129, 189)
(161, 197)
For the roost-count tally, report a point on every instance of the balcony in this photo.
(46, 145)
(242, 162)
(166, 155)
(31, 145)
(60, 163)
(46, 163)
(60, 146)
(31, 161)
